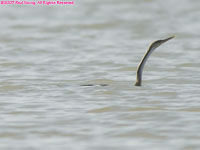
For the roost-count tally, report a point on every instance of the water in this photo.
(47, 52)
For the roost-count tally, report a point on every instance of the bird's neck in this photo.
(138, 79)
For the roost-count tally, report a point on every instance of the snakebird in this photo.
(151, 48)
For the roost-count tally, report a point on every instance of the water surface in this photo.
(47, 52)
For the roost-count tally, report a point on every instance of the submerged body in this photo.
(152, 47)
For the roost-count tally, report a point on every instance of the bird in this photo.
(141, 65)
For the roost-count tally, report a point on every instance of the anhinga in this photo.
(152, 47)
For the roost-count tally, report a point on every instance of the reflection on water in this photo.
(47, 53)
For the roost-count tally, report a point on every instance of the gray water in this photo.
(48, 52)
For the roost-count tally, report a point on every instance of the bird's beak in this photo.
(167, 39)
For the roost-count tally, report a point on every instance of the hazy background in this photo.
(47, 52)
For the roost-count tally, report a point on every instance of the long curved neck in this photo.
(141, 66)
(152, 47)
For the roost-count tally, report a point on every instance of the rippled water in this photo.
(48, 52)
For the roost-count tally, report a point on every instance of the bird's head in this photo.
(156, 44)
